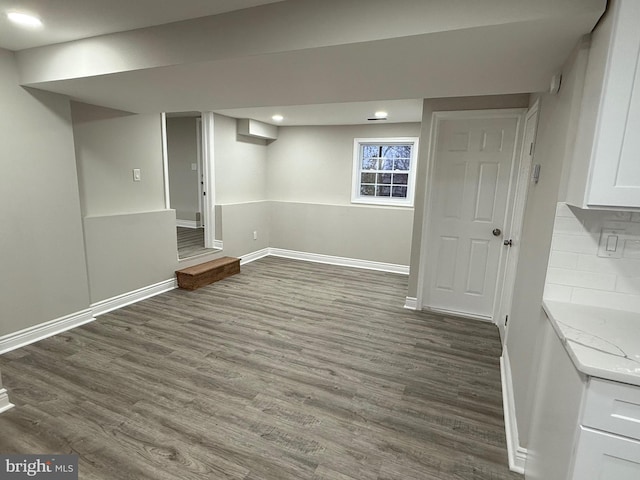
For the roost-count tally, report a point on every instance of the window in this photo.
(384, 170)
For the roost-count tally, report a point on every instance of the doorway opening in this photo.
(188, 163)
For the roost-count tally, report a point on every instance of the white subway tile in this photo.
(622, 226)
(559, 293)
(568, 225)
(626, 267)
(574, 278)
(587, 244)
(600, 298)
(563, 210)
(563, 259)
(629, 285)
(617, 216)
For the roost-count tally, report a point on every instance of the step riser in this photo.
(192, 281)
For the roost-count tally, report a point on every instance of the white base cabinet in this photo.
(583, 428)
(603, 456)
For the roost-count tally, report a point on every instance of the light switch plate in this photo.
(611, 243)
(136, 175)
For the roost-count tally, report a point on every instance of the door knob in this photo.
(508, 243)
(496, 232)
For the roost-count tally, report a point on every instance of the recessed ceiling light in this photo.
(24, 19)
(277, 118)
(381, 114)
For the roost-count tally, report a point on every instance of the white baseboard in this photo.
(54, 327)
(119, 301)
(253, 256)
(44, 330)
(5, 404)
(411, 303)
(517, 455)
(187, 223)
(341, 261)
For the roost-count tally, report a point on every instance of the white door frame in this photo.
(200, 171)
(517, 221)
(209, 194)
(513, 192)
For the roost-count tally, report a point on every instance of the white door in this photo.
(473, 165)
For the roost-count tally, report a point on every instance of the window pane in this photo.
(368, 178)
(369, 151)
(400, 192)
(400, 178)
(402, 164)
(368, 190)
(383, 191)
(369, 163)
(384, 178)
(386, 164)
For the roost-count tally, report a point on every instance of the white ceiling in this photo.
(66, 20)
(313, 61)
(352, 113)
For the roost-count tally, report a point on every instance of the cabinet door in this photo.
(602, 456)
(615, 175)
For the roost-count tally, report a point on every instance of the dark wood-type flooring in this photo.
(289, 370)
(191, 242)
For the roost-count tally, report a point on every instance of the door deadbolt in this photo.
(508, 243)
(496, 232)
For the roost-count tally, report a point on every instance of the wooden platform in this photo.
(203, 274)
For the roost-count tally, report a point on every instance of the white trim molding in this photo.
(327, 259)
(253, 256)
(44, 330)
(517, 454)
(48, 329)
(341, 261)
(119, 301)
(5, 404)
(218, 245)
(186, 223)
(411, 303)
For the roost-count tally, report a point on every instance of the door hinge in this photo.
(506, 320)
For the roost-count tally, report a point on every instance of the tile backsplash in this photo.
(581, 270)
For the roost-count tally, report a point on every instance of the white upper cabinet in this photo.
(606, 164)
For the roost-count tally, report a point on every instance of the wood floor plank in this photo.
(289, 370)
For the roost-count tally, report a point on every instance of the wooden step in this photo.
(203, 274)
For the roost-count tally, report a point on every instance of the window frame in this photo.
(356, 197)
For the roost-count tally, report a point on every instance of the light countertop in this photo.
(601, 342)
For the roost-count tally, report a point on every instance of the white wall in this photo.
(241, 164)
(182, 152)
(309, 188)
(43, 274)
(109, 145)
(553, 151)
(130, 239)
(314, 164)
